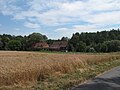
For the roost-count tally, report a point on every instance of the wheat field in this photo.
(26, 68)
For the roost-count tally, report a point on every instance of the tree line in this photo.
(104, 41)
(20, 43)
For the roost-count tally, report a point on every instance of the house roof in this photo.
(41, 45)
(59, 44)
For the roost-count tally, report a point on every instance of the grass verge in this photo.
(67, 81)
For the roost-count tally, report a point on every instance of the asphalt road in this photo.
(108, 81)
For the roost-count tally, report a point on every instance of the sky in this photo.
(58, 18)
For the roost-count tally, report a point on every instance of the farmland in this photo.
(51, 71)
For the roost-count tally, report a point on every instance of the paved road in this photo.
(108, 81)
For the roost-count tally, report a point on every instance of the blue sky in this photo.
(57, 18)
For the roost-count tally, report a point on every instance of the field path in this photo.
(108, 81)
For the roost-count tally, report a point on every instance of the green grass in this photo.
(69, 80)
(59, 52)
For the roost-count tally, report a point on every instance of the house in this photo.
(40, 45)
(59, 46)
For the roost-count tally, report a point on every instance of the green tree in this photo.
(104, 47)
(89, 49)
(5, 41)
(64, 39)
(113, 45)
(1, 45)
(98, 47)
(14, 45)
(80, 46)
(74, 42)
(71, 48)
(35, 38)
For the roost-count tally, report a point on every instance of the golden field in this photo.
(27, 68)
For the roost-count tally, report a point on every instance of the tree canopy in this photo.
(104, 41)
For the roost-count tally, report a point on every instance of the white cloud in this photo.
(63, 30)
(8, 7)
(64, 12)
(54, 12)
(82, 28)
(99, 13)
(103, 5)
(77, 28)
(105, 18)
(31, 25)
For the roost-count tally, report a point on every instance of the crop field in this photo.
(35, 70)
